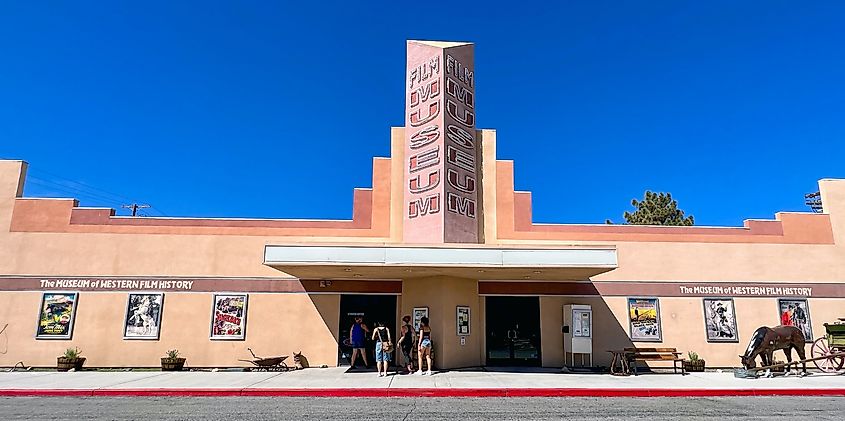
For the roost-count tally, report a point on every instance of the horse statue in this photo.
(766, 340)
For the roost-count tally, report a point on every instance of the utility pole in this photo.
(134, 207)
(814, 201)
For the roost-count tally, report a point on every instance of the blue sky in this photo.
(245, 109)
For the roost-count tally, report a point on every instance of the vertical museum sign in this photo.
(441, 149)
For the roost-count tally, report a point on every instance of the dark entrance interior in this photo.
(372, 308)
(513, 331)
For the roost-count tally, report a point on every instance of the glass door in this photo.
(513, 331)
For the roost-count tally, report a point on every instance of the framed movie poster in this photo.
(143, 316)
(463, 321)
(419, 313)
(720, 320)
(56, 314)
(796, 312)
(644, 317)
(228, 317)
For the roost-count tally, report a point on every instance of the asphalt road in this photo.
(437, 409)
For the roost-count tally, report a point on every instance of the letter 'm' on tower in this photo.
(442, 155)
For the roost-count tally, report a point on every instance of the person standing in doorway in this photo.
(424, 345)
(406, 343)
(357, 333)
(384, 347)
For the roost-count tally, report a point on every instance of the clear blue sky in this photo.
(246, 109)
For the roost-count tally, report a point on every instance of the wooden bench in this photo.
(655, 354)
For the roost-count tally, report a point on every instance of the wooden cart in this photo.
(267, 363)
(827, 353)
(832, 346)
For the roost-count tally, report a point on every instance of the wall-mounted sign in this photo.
(228, 316)
(745, 290)
(56, 315)
(105, 284)
(210, 284)
(621, 288)
(419, 313)
(796, 312)
(720, 320)
(462, 317)
(644, 316)
(442, 154)
(143, 316)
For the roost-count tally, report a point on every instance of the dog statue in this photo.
(299, 361)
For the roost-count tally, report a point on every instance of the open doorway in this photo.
(513, 331)
(372, 308)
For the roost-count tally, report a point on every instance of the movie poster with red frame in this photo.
(228, 316)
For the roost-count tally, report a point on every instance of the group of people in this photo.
(408, 337)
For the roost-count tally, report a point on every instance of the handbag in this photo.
(386, 346)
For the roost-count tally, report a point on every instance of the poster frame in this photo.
(242, 336)
(733, 312)
(71, 323)
(158, 321)
(458, 311)
(415, 320)
(659, 337)
(809, 318)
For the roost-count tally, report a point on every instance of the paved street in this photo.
(229, 408)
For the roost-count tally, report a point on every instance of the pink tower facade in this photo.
(443, 154)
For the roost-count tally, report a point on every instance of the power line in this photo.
(81, 190)
(80, 186)
(74, 192)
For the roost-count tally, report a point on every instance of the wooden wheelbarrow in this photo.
(267, 363)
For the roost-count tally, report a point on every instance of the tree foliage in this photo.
(656, 209)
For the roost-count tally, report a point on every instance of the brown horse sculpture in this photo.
(765, 341)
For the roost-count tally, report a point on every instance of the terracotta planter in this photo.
(696, 366)
(172, 364)
(65, 364)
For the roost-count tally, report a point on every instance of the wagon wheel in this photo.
(829, 365)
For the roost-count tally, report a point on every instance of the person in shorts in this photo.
(381, 335)
(424, 345)
(406, 343)
(357, 333)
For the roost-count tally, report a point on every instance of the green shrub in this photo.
(72, 353)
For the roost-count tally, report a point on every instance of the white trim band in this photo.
(436, 256)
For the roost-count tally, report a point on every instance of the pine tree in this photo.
(656, 209)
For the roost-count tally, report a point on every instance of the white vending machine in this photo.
(577, 335)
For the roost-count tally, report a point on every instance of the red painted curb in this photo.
(46, 392)
(167, 392)
(420, 392)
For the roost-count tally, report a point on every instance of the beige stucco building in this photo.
(441, 229)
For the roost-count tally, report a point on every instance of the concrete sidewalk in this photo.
(339, 382)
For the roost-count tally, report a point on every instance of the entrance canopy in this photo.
(386, 262)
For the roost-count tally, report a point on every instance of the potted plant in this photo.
(70, 360)
(172, 362)
(694, 363)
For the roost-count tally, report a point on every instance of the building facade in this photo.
(442, 232)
